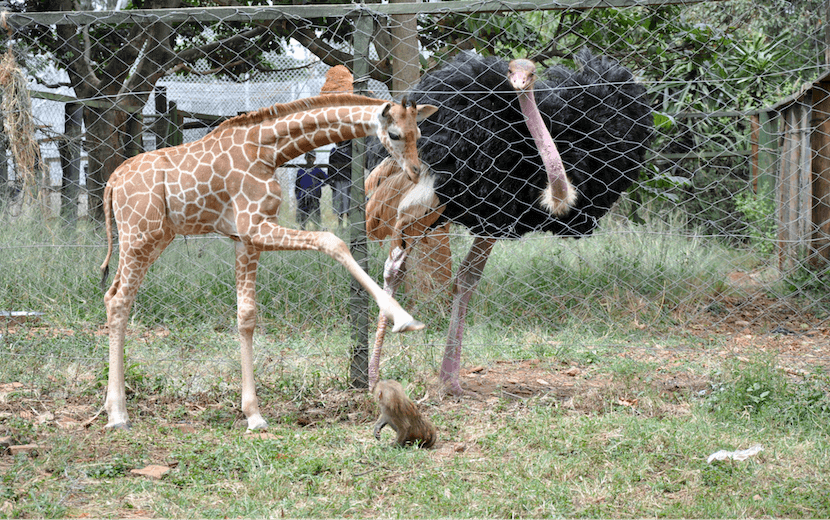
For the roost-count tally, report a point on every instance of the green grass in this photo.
(626, 435)
(526, 458)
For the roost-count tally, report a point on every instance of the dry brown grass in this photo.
(18, 121)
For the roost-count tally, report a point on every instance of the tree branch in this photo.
(380, 70)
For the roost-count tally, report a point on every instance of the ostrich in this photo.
(486, 173)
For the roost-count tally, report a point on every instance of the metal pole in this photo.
(359, 298)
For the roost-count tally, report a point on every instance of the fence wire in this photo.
(725, 228)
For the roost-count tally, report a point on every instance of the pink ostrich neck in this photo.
(544, 143)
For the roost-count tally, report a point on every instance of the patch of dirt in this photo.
(526, 379)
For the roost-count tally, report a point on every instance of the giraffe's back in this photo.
(199, 187)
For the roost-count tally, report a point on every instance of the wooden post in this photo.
(794, 201)
(406, 64)
(160, 126)
(174, 121)
(70, 156)
(754, 136)
(359, 299)
(5, 188)
(827, 34)
(767, 152)
(134, 142)
(766, 164)
(819, 256)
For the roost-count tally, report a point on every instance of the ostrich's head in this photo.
(399, 133)
(522, 75)
(559, 195)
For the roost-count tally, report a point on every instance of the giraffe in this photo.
(224, 183)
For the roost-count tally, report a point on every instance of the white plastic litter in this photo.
(735, 455)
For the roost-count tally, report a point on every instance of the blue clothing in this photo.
(310, 183)
(340, 179)
(308, 189)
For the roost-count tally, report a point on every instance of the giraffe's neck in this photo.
(293, 135)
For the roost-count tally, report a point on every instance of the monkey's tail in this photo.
(105, 267)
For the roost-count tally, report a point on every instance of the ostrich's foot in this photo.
(452, 386)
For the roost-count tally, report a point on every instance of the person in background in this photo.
(340, 180)
(310, 180)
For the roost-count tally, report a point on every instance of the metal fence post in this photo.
(358, 297)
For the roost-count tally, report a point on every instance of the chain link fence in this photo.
(724, 230)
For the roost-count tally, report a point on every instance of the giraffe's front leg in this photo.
(271, 237)
(247, 260)
(394, 270)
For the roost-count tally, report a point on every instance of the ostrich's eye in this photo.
(394, 136)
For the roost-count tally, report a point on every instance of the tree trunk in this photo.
(70, 155)
(104, 153)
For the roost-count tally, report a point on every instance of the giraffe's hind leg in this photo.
(133, 263)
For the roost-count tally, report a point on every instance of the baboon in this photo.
(398, 411)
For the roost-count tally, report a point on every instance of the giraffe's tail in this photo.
(105, 267)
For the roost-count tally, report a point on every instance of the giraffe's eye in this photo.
(394, 136)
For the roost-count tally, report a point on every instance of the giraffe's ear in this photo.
(385, 112)
(424, 111)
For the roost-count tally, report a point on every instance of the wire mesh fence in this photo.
(724, 227)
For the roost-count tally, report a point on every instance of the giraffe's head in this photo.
(398, 132)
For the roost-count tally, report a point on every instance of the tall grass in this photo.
(46, 268)
(624, 272)
(539, 297)
(622, 279)
(540, 294)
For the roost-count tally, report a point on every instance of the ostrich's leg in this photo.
(469, 274)
(394, 271)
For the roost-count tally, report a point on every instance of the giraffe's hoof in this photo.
(408, 326)
(256, 422)
(118, 426)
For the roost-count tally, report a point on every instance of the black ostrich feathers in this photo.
(487, 169)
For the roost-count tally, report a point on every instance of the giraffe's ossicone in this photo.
(224, 183)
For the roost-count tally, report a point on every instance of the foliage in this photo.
(759, 214)
(762, 392)
(702, 59)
